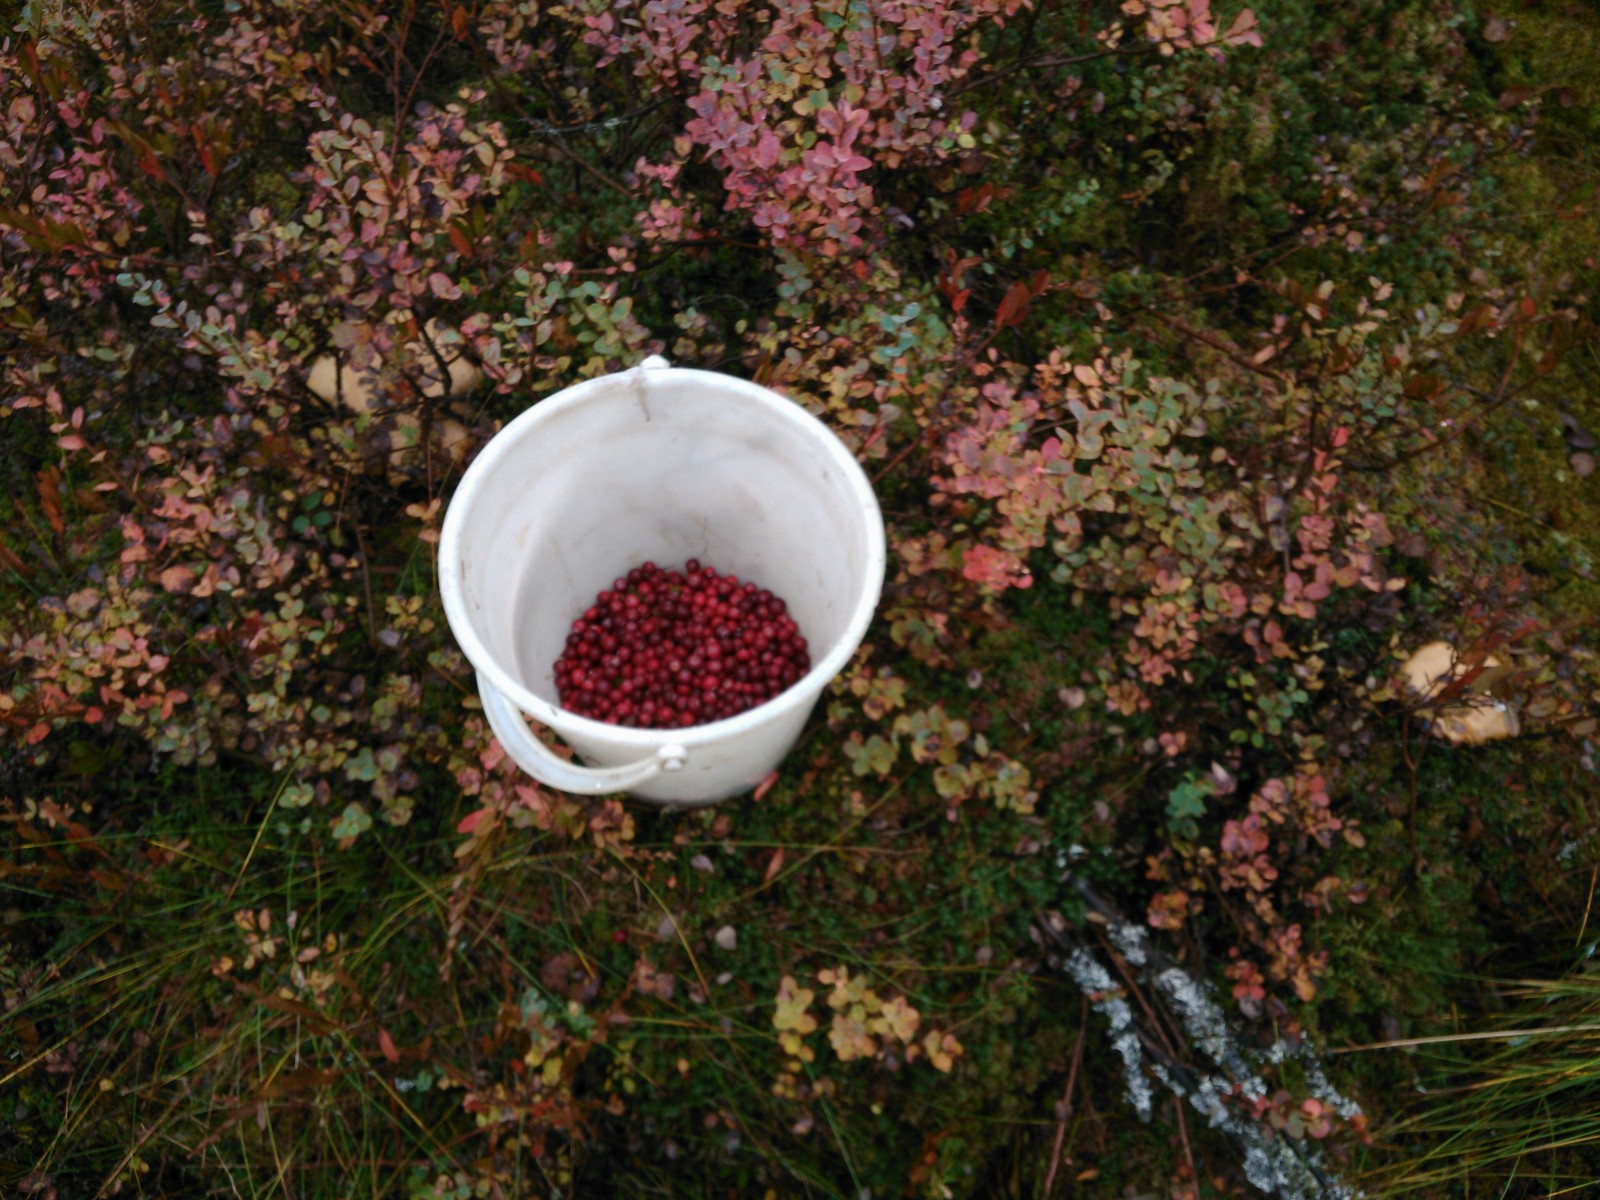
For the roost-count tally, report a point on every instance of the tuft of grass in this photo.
(186, 1063)
(1511, 1103)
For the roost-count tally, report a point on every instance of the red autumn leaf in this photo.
(386, 1044)
(774, 865)
(765, 785)
(1014, 306)
(970, 200)
(994, 569)
(1244, 31)
(767, 150)
(470, 822)
(951, 290)
(950, 280)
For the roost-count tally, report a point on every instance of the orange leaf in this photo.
(765, 785)
(774, 865)
(50, 498)
(305, 1078)
(1476, 319)
(385, 1042)
(1423, 387)
(9, 559)
(178, 579)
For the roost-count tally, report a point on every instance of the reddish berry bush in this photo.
(660, 649)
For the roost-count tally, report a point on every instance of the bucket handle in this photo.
(538, 760)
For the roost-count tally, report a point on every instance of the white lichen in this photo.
(1277, 1165)
(1096, 983)
(1129, 939)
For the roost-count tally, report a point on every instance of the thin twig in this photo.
(1066, 1101)
(585, 165)
(899, 458)
(1593, 875)
(1157, 1025)
(1205, 339)
(1183, 1136)
(1045, 63)
(366, 585)
(1411, 768)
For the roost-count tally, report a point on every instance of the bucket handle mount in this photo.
(538, 760)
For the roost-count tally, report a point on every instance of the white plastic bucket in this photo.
(654, 464)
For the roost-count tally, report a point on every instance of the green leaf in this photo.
(352, 823)
(1186, 803)
(297, 795)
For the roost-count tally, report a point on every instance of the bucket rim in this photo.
(560, 720)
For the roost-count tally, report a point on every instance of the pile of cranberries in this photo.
(663, 649)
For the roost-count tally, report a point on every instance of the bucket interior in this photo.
(662, 466)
